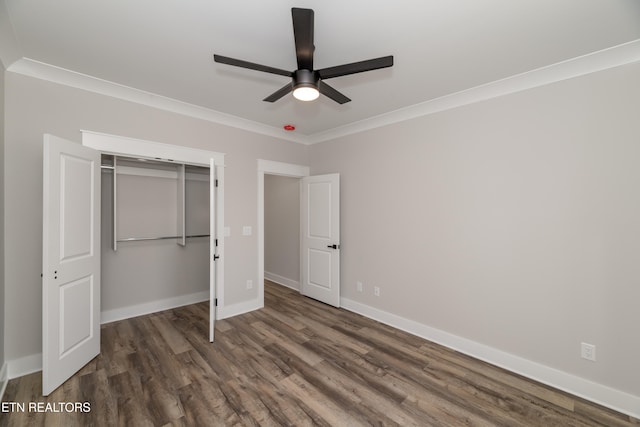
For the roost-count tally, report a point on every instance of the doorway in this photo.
(268, 167)
(319, 254)
(124, 146)
(155, 239)
(282, 230)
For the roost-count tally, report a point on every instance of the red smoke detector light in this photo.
(289, 127)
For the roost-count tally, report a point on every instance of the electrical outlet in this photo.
(376, 291)
(588, 351)
(249, 284)
(359, 286)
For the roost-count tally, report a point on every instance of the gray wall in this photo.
(34, 107)
(512, 222)
(140, 272)
(282, 227)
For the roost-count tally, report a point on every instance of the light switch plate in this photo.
(246, 230)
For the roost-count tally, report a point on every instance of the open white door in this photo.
(213, 248)
(320, 230)
(71, 260)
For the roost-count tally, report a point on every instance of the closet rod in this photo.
(138, 239)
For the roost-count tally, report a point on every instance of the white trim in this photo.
(589, 390)
(284, 281)
(239, 308)
(270, 167)
(4, 379)
(24, 366)
(615, 56)
(139, 148)
(612, 57)
(260, 235)
(152, 307)
(63, 76)
(221, 240)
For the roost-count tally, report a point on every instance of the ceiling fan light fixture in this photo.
(305, 85)
(306, 93)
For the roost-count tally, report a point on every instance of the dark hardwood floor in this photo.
(296, 362)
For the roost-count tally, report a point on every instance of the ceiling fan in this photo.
(306, 83)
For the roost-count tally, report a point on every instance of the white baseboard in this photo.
(24, 366)
(239, 308)
(606, 396)
(152, 307)
(281, 280)
(4, 379)
(33, 363)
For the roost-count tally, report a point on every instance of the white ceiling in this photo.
(440, 47)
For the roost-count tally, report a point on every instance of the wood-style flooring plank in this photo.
(297, 362)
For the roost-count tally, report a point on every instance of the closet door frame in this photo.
(130, 147)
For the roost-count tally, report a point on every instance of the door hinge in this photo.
(216, 242)
(215, 302)
(216, 184)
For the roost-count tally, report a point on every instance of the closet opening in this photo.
(155, 235)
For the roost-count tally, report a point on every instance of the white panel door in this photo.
(71, 260)
(212, 249)
(320, 224)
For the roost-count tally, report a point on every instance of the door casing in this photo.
(131, 147)
(268, 167)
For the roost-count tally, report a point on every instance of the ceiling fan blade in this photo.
(250, 65)
(279, 93)
(356, 67)
(303, 35)
(330, 92)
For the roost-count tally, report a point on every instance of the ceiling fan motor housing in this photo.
(305, 78)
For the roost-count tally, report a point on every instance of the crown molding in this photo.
(612, 57)
(52, 73)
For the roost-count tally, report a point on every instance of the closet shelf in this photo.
(138, 239)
